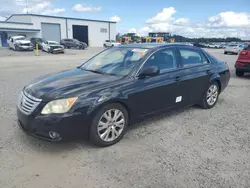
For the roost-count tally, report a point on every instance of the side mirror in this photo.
(149, 71)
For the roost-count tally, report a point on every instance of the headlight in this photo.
(59, 106)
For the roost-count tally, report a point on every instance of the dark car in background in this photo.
(242, 64)
(37, 41)
(73, 43)
(100, 98)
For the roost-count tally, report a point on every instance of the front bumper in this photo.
(243, 69)
(241, 66)
(57, 50)
(26, 48)
(69, 126)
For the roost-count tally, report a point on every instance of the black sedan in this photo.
(73, 43)
(98, 99)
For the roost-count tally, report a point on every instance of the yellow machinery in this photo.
(126, 40)
(146, 39)
(171, 40)
(157, 40)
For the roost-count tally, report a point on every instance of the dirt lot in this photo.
(187, 148)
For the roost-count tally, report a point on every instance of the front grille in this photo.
(27, 44)
(55, 47)
(27, 103)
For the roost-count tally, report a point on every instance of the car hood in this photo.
(68, 83)
(23, 41)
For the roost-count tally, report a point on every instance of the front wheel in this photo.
(109, 125)
(239, 73)
(210, 97)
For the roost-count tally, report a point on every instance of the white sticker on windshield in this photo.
(139, 50)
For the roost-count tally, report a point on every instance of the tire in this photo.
(225, 52)
(205, 103)
(239, 73)
(108, 128)
(105, 46)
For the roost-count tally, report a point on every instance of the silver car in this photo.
(234, 49)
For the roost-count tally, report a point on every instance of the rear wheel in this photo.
(239, 73)
(225, 52)
(210, 97)
(109, 125)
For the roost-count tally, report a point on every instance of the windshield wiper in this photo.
(94, 71)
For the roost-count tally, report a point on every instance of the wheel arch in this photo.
(216, 79)
(94, 110)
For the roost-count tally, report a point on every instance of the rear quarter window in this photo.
(191, 57)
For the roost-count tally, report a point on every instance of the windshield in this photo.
(115, 61)
(53, 43)
(20, 38)
(113, 41)
(41, 40)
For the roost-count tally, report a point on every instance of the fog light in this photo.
(54, 135)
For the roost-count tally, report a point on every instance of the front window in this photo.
(163, 59)
(113, 41)
(115, 61)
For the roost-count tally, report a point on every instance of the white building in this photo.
(92, 32)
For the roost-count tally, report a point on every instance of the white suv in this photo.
(110, 43)
(19, 43)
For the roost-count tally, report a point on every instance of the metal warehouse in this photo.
(92, 32)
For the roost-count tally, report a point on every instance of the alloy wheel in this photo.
(212, 95)
(111, 125)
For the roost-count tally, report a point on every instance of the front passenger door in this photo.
(156, 93)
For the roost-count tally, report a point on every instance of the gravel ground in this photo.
(4, 52)
(186, 148)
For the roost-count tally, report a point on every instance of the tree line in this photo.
(179, 38)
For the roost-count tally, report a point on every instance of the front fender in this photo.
(106, 98)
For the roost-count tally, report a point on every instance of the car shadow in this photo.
(56, 148)
(85, 145)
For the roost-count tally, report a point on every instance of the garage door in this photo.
(51, 31)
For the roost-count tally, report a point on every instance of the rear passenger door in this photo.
(196, 71)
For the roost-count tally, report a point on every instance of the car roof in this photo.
(52, 41)
(154, 45)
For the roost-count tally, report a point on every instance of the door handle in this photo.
(209, 71)
(177, 79)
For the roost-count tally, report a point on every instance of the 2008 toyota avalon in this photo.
(100, 98)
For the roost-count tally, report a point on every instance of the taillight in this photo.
(243, 53)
